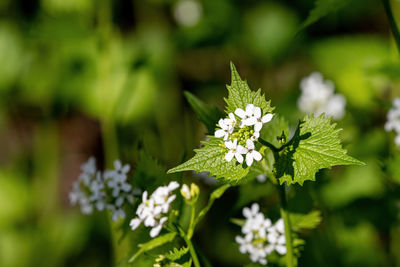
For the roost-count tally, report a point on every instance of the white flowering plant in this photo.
(249, 142)
(252, 140)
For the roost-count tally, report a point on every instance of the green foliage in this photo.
(176, 254)
(149, 173)
(314, 146)
(274, 129)
(240, 95)
(209, 116)
(153, 243)
(354, 183)
(323, 8)
(305, 221)
(211, 158)
(350, 62)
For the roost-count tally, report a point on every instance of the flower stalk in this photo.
(288, 233)
(392, 22)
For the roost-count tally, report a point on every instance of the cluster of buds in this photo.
(190, 194)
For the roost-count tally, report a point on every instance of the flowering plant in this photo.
(250, 141)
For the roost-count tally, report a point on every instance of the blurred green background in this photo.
(106, 78)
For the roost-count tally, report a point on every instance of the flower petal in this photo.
(239, 157)
(219, 133)
(229, 156)
(155, 230)
(249, 144)
(135, 223)
(250, 109)
(257, 112)
(230, 145)
(258, 126)
(267, 117)
(249, 159)
(241, 150)
(240, 112)
(256, 155)
(281, 249)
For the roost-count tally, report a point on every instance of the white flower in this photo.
(245, 243)
(261, 178)
(318, 97)
(276, 238)
(393, 120)
(152, 209)
(260, 120)
(93, 187)
(227, 127)
(261, 238)
(251, 153)
(235, 150)
(246, 115)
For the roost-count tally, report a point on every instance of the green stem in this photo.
(288, 231)
(392, 22)
(269, 145)
(191, 224)
(190, 246)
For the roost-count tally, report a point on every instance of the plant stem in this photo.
(288, 231)
(392, 22)
(191, 248)
(191, 224)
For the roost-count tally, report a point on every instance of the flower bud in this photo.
(190, 194)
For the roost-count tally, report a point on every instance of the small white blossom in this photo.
(227, 127)
(252, 153)
(276, 237)
(255, 136)
(261, 178)
(261, 238)
(152, 210)
(393, 120)
(259, 120)
(246, 115)
(235, 150)
(250, 124)
(91, 191)
(318, 97)
(188, 12)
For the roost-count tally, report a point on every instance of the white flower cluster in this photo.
(152, 210)
(261, 237)
(109, 190)
(239, 137)
(393, 120)
(317, 97)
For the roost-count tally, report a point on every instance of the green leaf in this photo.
(154, 243)
(314, 146)
(273, 129)
(238, 222)
(210, 158)
(323, 8)
(149, 173)
(208, 115)
(176, 254)
(187, 264)
(240, 95)
(217, 193)
(305, 221)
